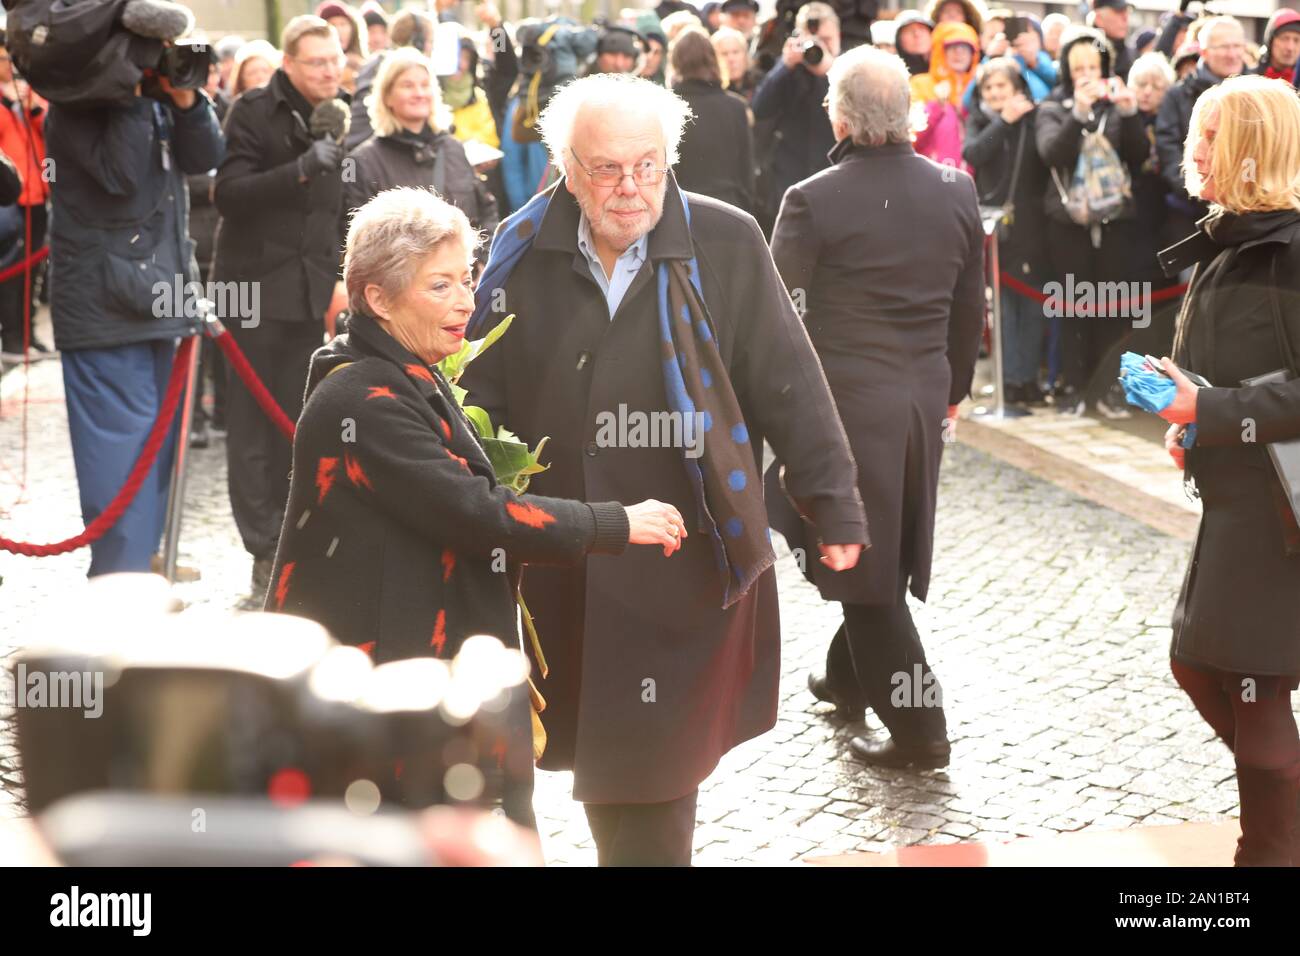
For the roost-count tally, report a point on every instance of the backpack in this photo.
(550, 54)
(537, 77)
(75, 52)
(1101, 186)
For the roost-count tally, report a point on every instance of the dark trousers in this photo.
(643, 834)
(876, 660)
(258, 455)
(1085, 339)
(212, 364)
(113, 397)
(12, 291)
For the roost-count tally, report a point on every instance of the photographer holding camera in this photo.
(280, 195)
(792, 94)
(119, 227)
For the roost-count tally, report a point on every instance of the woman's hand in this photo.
(653, 522)
(1173, 445)
(1017, 106)
(1086, 94)
(1182, 410)
(1124, 98)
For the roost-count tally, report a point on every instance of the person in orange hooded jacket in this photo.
(22, 139)
(954, 55)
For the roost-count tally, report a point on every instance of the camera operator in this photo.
(119, 227)
(792, 94)
(280, 195)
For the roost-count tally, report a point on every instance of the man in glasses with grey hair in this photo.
(654, 344)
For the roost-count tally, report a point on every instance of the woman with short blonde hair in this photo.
(1236, 645)
(384, 120)
(412, 145)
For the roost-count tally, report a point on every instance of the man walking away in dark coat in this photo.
(119, 258)
(886, 250)
(280, 195)
(640, 308)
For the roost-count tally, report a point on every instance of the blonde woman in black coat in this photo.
(1236, 642)
(413, 146)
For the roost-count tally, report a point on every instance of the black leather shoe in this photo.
(843, 711)
(885, 753)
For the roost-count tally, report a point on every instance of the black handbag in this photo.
(1285, 455)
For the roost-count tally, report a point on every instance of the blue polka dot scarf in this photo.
(717, 453)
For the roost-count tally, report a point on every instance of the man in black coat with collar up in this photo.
(885, 249)
(280, 195)
(632, 301)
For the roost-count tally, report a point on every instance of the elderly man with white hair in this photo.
(885, 248)
(656, 347)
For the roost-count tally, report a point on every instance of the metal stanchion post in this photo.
(999, 409)
(176, 493)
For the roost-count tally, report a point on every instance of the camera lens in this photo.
(813, 53)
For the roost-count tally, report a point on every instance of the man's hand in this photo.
(183, 99)
(322, 156)
(792, 52)
(997, 46)
(338, 304)
(839, 557)
(824, 67)
(1182, 410)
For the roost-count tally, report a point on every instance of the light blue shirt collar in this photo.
(625, 267)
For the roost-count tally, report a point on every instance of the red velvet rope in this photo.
(1029, 292)
(26, 264)
(144, 464)
(239, 362)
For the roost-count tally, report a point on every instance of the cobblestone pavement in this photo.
(1047, 624)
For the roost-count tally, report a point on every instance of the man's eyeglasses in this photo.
(644, 173)
(322, 63)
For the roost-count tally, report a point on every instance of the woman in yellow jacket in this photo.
(471, 116)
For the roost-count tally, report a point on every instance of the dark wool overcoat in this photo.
(1239, 610)
(651, 680)
(886, 249)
